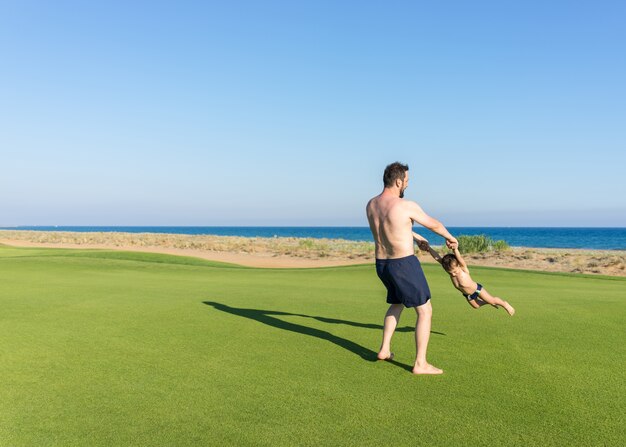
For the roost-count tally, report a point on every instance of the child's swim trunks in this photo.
(404, 280)
(474, 295)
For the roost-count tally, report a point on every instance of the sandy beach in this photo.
(281, 252)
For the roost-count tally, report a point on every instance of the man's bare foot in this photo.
(385, 356)
(510, 309)
(428, 369)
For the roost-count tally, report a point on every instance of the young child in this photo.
(455, 266)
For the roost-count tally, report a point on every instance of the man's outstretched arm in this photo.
(418, 215)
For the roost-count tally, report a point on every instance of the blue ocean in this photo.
(549, 237)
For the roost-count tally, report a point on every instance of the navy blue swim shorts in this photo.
(404, 280)
(474, 295)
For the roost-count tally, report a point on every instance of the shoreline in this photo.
(291, 252)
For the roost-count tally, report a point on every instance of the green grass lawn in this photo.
(109, 348)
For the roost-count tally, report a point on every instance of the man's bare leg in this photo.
(392, 317)
(422, 335)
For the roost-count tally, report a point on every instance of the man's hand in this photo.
(452, 244)
(423, 245)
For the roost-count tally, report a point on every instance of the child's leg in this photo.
(495, 301)
(477, 303)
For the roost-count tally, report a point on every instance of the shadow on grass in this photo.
(267, 317)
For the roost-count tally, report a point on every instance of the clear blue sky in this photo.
(286, 113)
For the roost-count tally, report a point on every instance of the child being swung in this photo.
(455, 266)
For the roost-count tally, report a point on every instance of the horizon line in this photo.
(290, 226)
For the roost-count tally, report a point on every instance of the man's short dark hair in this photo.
(449, 261)
(395, 171)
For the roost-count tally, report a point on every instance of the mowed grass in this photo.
(110, 348)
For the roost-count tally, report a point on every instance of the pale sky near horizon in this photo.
(286, 113)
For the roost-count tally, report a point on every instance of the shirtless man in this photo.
(391, 221)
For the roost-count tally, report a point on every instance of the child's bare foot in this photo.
(510, 309)
(427, 369)
(385, 356)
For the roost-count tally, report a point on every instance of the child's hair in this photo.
(449, 261)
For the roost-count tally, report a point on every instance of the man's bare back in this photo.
(391, 226)
(391, 221)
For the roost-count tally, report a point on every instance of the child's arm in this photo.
(434, 254)
(459, 258)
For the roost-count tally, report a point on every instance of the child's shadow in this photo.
(265, 317)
